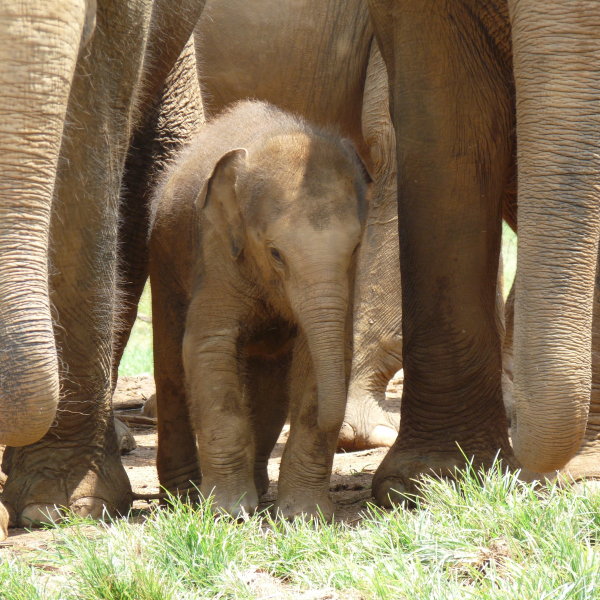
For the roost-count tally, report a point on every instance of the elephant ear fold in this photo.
(365, 185)
(218, 200)
(362, 165)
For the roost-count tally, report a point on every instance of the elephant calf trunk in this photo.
(332, 408)
(325, 332)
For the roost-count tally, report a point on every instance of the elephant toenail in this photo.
(90, 506)
(35, 515)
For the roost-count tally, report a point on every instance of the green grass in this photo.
(19, 581)
(138, 358)
(484, 536)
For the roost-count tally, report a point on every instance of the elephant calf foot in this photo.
(301, 503)
(44, 482)
(396, 479)
(261, 478)
(367, 425)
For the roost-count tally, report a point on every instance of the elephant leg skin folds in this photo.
(48, 476)
(450, 93)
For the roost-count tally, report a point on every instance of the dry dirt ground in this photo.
(350, 481)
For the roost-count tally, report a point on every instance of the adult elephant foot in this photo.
(125, 438)
(367, 425)
(51, 477)
(396, 481)
(372, 419)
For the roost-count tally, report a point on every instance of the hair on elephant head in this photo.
(291, 177)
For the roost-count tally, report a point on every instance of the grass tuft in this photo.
(19, 581)
(483, 535)
(199, 545)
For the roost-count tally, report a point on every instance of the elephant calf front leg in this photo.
(308, 456)
(218, 410)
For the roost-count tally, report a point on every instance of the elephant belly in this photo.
(270, 342)
(307, 57)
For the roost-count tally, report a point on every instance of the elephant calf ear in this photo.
(219, 201)
(367, 180)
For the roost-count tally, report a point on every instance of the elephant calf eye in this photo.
(276, 255)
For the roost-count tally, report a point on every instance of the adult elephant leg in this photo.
(451, 98)
(77, 464)
(168, 68)
(556, 58)
(174, 116)
(377, 337)
(34, 94)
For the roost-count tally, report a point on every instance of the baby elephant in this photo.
(254, 231)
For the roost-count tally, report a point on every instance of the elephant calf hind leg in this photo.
(267, 386)
(177, 460)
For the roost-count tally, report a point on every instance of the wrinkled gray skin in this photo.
(559, 216)
(173, 117)
(317, 58)
(454, 111)
(252, 252)
(66, 127)
(584, 468)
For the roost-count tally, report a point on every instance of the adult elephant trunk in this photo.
(322, 313)
(39, 44)
(556, 58)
